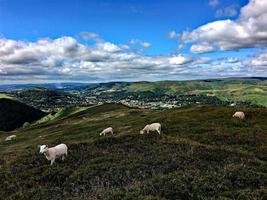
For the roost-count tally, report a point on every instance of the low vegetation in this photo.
(203, 153)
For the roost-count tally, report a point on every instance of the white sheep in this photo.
(52, 153)
(239, 114)
(151, 128)
(108, 130)
(11, 137)
(233, 104)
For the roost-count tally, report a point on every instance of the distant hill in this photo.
(44, 98)
(13, 114)
(248, 89)
(253, 90)
(59, 86)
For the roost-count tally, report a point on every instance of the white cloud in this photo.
(145, 44)
(108, 47)
(232, 60)
(173, 35)
(257, 63)
(248, 31)
(66, 59)
(214, 3)
(90, 36)
(180, 60)
(139, 42)
(229, 11)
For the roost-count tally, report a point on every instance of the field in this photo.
(203, 153)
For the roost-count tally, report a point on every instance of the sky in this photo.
(44, 41)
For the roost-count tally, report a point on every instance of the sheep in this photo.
(151, 127)
(239, 114)
(11, 137)
(107, 131)
(26, 125)
(233, 104)
(52, 153)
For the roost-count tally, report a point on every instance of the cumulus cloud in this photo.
(257, 63)
(248, 31)
(180, 60)
(65, 58)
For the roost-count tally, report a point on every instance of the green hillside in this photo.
(62, 112)
(46, 99)
(203, 153)
(4, 95)
(252, 90)
(13, 114)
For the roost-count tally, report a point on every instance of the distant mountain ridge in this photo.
(69, 85)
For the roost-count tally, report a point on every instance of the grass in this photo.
(203, 153)
(63, 112)
(3, 95)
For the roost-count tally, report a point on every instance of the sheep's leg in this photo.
(158, 131)
(52, 161)
(63, 157)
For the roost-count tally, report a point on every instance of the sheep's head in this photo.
(101, 133)
(142, 131)
(43, 148)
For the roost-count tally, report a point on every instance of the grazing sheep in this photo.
(239, 114)
(108, 130)
(151, 128)
(52, 153)
(11, 137)
(26, 125)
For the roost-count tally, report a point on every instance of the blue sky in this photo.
(141, 29)
(117, 21)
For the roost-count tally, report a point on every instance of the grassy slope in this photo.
(3, 95)
(63, 112)
(202, 154)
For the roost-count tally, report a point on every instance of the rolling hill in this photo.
(13, 114)
(252, 90)
(203, 153)
(46, 99)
